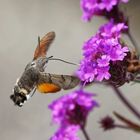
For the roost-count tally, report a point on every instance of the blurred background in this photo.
(21, 22)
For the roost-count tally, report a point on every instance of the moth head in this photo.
(18, 97)
(38, 64)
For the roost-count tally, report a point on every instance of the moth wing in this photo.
(43, 45)
(50, 83)
(47, 88)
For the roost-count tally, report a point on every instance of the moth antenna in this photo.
(39, 41)
(50, 58)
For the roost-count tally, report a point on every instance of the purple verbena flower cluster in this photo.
(100, 50)
(97, 7)
(68, 133)
(70, 112)
(105, 58)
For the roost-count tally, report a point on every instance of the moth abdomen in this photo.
(63, 81)
(29, 79)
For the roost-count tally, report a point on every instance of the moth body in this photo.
(27, 82)
(34, 76)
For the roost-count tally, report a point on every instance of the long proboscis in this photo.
(58, 59)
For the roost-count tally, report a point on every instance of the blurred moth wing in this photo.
(43, 45)
(50, 83)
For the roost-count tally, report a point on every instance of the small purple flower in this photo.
(103, 72)
(73, 108)
(100, 50)
(99, 7)
(68, 133)
(103, 61)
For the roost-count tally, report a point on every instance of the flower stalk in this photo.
(121, 126)
(133, 41)
(85, 133)
(126, 102)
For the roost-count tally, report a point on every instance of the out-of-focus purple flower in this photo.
(68, 133)
(73, 108)
(100, 7)
(100, 50)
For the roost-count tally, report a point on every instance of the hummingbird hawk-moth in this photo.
(34, 76)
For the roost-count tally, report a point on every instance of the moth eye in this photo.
(33, 63)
